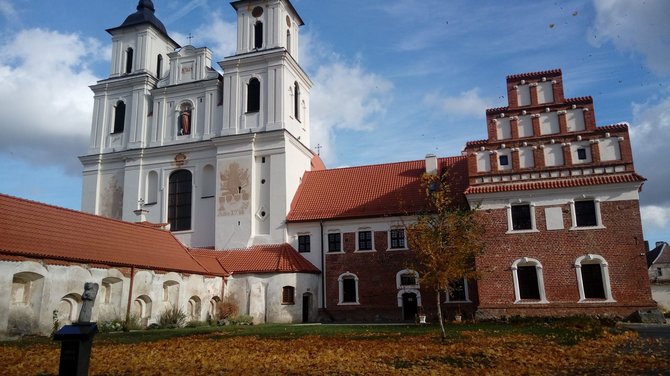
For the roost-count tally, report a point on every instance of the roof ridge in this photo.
(455, 157)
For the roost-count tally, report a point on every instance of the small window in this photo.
(457, 291)
(335, 242)
(585, 213)
(258, 35)
(581, 154)
(303, 244)
(365, 240)
(504, 160)
(528, 281)
(288, 41)
(119, 117)
(129, 60)
(397, 238)
(408, 279)
(659, 272)
(254, 95)
(288, 295)
(593, 278)
(521, 217)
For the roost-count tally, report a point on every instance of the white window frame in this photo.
(389, 248)
(604, 271)
(510, 225)
(372, 239)
(527, 261)
(398, 279)
(467, 294)
(340, 280)
(573, 213)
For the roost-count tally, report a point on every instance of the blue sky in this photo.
(393, 79)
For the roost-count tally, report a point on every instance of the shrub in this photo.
(226, 310)
(173, 317)
(196, 323)
(241, 320)
(133, 323)
(107, 326)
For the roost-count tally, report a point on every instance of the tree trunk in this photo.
(439, 316)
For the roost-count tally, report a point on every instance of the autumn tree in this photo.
(445, 239)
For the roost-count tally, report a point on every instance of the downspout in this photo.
(130, 292)
(323, 270)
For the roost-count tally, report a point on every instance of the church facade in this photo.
(222, 163)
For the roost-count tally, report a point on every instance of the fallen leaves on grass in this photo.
(475, 353)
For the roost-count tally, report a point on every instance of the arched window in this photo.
(184, 122)
(129, 60)
(407, 278)
(159, 66)
(593, 279)
(288, 295)
(119, 117)
(528, 281)
(179, 200)
(258, 35)
(254, 95)
(348, 283)
(296, 101)
(194, 308)
(152, 188)
(142, 308)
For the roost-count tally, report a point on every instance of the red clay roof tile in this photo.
(33, 229)
(369, 191)
(269, 258)
(555, 183)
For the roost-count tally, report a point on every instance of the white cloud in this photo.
(655, 216)
(45, 99)
(467, 104)
(634, 26)
(650, 136)
(7, 10)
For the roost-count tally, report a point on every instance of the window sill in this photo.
(531, 302)
(397, 249)
(190, 231)
(582, 228)
(522, 231)
(350, 303)
(596, 301)
(288, 303)
(335, 252)
(409, 287)
(364, 251)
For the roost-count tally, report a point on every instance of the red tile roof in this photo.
(369, 191)
(269, 258)
(36, 230)
(554, 183)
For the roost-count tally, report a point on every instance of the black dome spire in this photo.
(145, 14)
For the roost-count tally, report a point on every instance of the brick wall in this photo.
(620, 243)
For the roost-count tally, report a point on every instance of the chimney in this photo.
(431, 164)
(659, 244)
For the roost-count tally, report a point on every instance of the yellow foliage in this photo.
(476, 353)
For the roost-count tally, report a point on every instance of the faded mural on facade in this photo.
(111, 200)
(234, 190)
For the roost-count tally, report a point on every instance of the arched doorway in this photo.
(306, 306)
(409, 306)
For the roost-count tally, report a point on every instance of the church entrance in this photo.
(306, 306)
(409, 306)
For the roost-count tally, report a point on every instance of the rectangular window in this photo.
(592, 278)
(504, 160)
(585, 213)
(521, 218)
(288, 295)
(457, 291)
(303, 244)
(581, 154)
(397, 238)
(528, 285)
(408, 279)
(659, 272)
(365, 240)
(348, 290)
(335, 242)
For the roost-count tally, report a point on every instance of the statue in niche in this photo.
(185, 120)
